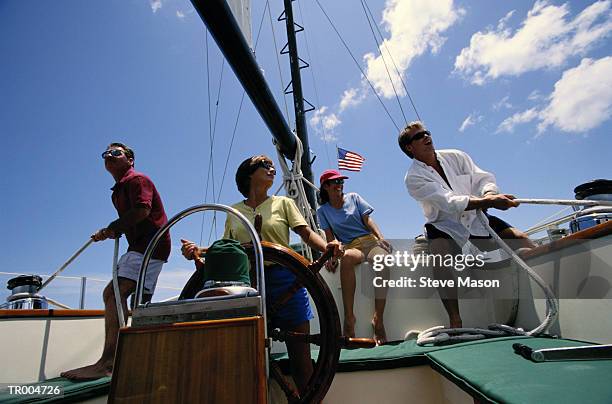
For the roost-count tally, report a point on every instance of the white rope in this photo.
(65, 264)
(439, 334)
(293, 181)
(567, 202)
(552, 306)
(58, 304)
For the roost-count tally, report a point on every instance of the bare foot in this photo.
(380, 335)
(349, 326)
(90, 372)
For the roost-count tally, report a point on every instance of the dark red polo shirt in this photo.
(137, 190)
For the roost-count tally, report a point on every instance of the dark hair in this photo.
(404, 137)
(323, 195)
(244, 171)
(129, 153)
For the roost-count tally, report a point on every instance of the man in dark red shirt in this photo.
(141, 214)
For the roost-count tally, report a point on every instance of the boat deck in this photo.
(487, 370)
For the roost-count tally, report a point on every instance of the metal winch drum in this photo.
(598, 190)
(23, 293)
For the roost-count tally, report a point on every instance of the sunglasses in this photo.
(419, 136)
(113, 152)
(263, 164)
(337, 181)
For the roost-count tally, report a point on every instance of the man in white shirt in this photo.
(450, 189)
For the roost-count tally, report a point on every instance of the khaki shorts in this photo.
(368, 245)
(129, 267)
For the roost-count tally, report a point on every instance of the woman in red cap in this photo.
(346, 217)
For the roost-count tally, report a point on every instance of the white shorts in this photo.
(129, 267)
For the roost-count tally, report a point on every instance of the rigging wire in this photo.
(211, 165)
(229, 152)
(209, 125)
(358, 66)
(393, 61)
(312, 73)
(280, 73)
(383, 59)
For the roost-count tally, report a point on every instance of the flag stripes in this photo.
(349, 161)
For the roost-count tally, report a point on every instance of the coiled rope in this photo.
(439, 334)
(293, 181)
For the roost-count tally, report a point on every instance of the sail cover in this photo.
(242, 12)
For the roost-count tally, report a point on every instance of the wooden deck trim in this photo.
(601, 230)
(50, 313)
(189, 325)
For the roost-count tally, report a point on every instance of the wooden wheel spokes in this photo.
(314, 267)
(290, 391)
(347, 342)
(329, 340)
(283, 336)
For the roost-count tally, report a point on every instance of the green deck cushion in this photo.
(403, 354)
(490, 371)
(73, 391)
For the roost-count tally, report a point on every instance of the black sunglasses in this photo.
(337, 181)
(419, 136)
(113, 152)
(263, 164)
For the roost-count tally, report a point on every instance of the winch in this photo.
(24, 295)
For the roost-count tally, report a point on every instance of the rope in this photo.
(58, 304)
(566, 202)
(439, 334)
(552, 307)
(383, 59)
(65, 264)
(293, 181)
(358, 66)
(394, 64)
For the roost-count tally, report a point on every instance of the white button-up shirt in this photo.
(444, 206)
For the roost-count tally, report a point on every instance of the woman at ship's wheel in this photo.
(286, 297)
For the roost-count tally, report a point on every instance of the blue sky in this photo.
(524, 87)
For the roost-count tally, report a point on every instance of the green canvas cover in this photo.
(226, 260)
(490, 371)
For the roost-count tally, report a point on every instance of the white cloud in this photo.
(503, 103)
(409, 36)
(509, 123)
(546, 39)
(580, 101)
(470, 120)
(324, 124)
(534, 96)
(155, 5)
(352, 97)
(180, 14)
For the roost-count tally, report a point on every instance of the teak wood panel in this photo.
(219, 361)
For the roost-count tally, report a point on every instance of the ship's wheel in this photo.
(328, 339)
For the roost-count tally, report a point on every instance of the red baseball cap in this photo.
(331, 175)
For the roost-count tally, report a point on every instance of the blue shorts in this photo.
(297, 310)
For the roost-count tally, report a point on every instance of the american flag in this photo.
(349, 161)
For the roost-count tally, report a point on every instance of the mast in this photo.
(222, 25)
(298, 98)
